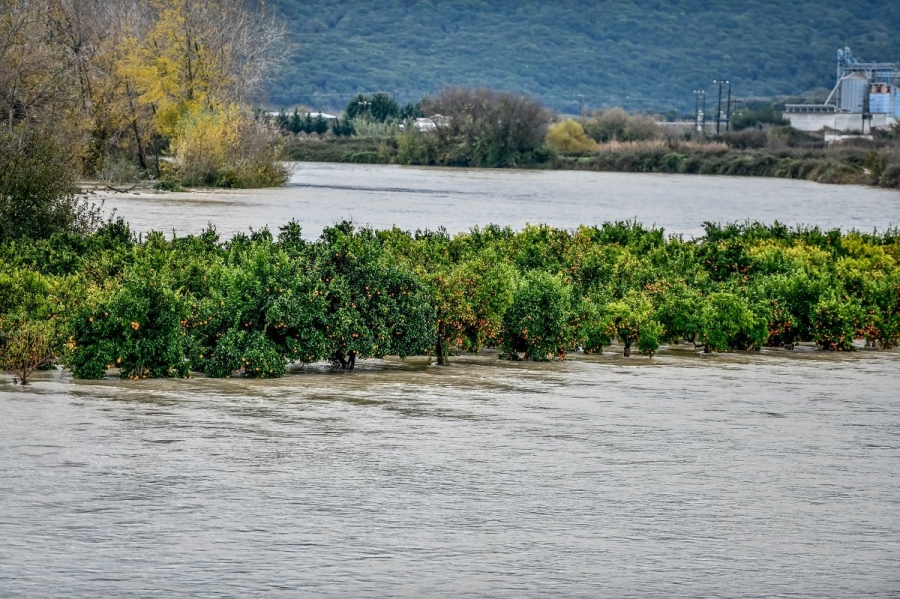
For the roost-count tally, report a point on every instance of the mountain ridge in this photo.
(575, 53)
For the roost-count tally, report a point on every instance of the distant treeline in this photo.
(484, 128)
(252, 305)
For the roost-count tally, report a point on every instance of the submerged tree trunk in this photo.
(339, 358)
(439, 352)
(628, 343)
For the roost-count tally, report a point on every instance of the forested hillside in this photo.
(641, 55)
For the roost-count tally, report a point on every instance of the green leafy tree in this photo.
(38, 185)
(374, 306)
(538, 323)
(138, 326)
(26, 345)
(264, 310)
(727, 322)
(633, 319)
(471, 300)
(835, 321)
(378, 107)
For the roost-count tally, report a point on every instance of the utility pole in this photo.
(719, 105)
(728, 110)
(580, 104)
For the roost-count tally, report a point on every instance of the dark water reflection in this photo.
(738, 475)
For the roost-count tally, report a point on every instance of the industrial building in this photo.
(866, 96)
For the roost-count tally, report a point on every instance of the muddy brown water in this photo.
(746, 475)
(742, 475)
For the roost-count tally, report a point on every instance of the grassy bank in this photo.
(832, 166)
(359, 150)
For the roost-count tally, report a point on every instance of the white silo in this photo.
(853, 92)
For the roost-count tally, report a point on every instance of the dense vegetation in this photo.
(125, 90)
(253, 304)
(639, 55)
(484, 128)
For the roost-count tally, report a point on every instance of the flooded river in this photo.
(774, 474)
(418, 198)
(743, 475)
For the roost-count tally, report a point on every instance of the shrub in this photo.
(26, 345)
(569, 136)
(226, 148)
(618, 125)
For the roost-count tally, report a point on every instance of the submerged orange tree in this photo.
(253, 304)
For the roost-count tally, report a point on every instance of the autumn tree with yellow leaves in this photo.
(130, 81)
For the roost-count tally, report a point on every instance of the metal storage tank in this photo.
(880, 103)
(853, 92)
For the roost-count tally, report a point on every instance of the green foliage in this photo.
(841, 166)
(835, 322)
(375, 306)
(538, 322)
(254, 304)
(138, 326)
(38, 191)
(335, 150)
(633, 319)
(593, 326)
(26, 344)
(225, 148)
(480, 128)
(727, 322)
(378, 107)
(617, 125)
(569, 136)
(471, 298)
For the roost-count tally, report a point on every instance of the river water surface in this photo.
(743, 475)
(419, 198)
(775, 474)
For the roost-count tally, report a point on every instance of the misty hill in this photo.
(640, 55)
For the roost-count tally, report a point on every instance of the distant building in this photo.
(866, 95)
(431, 123)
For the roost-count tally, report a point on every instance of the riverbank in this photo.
(853, 165)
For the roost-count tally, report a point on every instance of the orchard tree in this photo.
(633, 319)
(26, 345)
(374, 306)
(538, 324)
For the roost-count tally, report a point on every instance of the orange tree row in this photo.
(255, 303)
